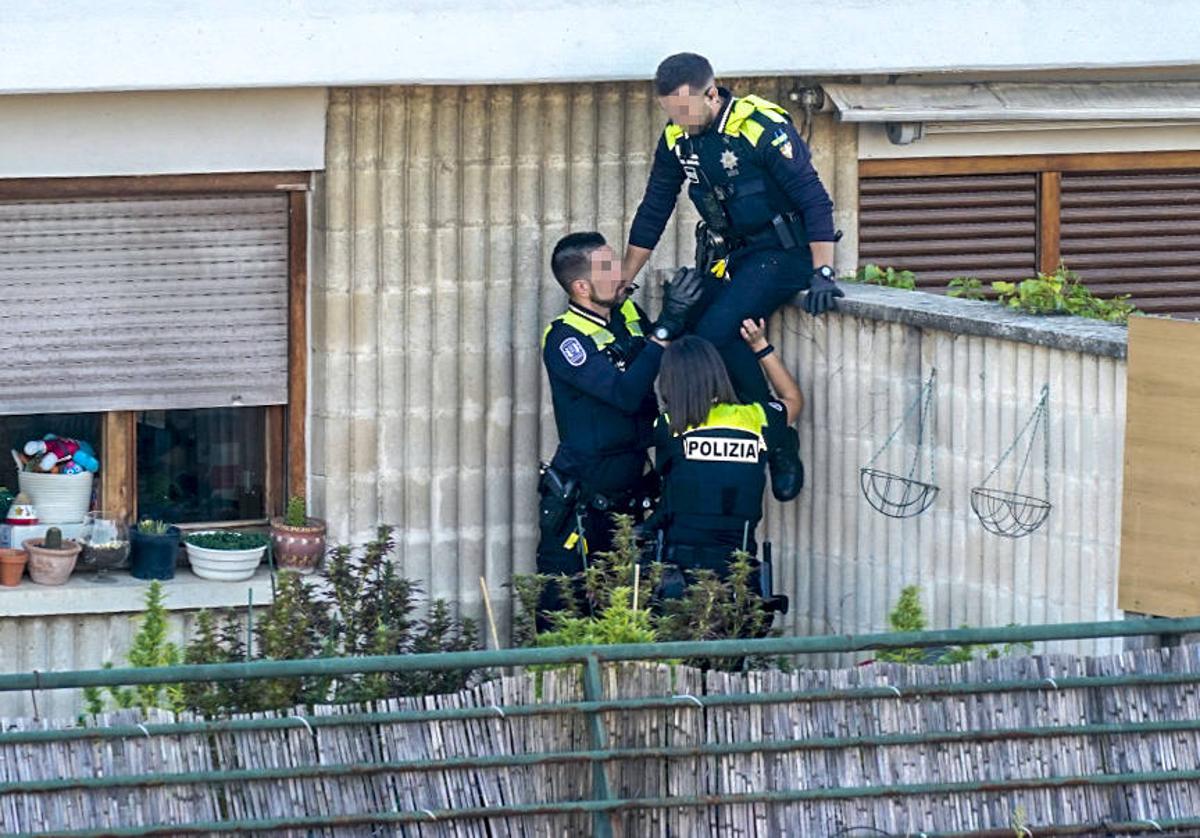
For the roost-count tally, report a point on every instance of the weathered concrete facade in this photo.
(431, 287)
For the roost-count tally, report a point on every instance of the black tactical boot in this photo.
(787, 472)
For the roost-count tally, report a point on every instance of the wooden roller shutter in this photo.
(143, 303)
(943, 226)
(1135, 233)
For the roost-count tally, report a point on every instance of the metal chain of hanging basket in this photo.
(899, 496)
(1010, 513)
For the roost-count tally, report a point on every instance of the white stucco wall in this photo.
(74, 45)
(149, 133)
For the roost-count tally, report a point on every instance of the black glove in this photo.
(787, 472)
(822, 295)
(680, 294)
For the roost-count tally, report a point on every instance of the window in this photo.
(1127, 223)
(181, 353)
(202, 465)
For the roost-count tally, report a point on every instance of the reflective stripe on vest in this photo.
(739, 123)
(734, 417)
(601, 337)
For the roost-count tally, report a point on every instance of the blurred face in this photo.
(606, 288)
(692, 108)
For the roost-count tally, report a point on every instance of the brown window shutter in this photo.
(941, 227)
(1135, 233)
(143, 303)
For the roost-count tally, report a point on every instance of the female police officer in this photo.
(711, 451)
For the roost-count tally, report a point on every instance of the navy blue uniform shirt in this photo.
(768, 176)
(604, 407)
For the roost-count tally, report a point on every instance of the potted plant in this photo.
(154, 550)
(298, 541)
(52, 558)
(12, 565)
(224, 555)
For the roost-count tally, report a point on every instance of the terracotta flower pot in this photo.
(12, 565)
(49, 566)
(298, 548)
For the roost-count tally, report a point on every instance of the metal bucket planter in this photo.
(223, 565)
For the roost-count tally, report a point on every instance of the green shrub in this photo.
(909, 615)
(150, 649)
(966, 288)
(297, 512)
(1062, 293)
(602, 610)
(888, 277)
(367, 608)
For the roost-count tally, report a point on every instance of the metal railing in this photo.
(603, 804)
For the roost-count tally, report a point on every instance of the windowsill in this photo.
(80, 595)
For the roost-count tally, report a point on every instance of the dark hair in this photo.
(572, 256)
(691, 379)
(682, 68)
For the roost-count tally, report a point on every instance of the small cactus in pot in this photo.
(51, 558)
(297, 540)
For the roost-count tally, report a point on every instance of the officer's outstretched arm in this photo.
(787, 391)
(658, 202)
(574, 360)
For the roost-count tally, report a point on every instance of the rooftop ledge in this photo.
(986, 319)
(80, 595)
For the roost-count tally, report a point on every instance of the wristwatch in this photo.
(826, 272)
(661, 333)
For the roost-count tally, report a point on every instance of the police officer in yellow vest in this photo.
(601, 366)
(768, 220)
(711, 451)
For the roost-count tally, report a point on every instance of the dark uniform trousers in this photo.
(761, 281)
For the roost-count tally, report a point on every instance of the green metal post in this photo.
(593, 690)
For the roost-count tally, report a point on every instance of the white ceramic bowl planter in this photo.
(223, 565)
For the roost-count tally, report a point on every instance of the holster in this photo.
(559, 496)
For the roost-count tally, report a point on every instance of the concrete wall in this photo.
(82, 625)
(431, 287)
(843, 563)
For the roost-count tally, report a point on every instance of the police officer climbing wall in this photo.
(767, 230)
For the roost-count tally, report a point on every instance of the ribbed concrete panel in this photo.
(434, 222)
(844, 564)
(68, 642)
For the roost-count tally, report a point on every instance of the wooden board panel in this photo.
(1160, 521)
(118, 472)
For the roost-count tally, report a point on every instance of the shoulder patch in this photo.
(573, 351)
(776, 405)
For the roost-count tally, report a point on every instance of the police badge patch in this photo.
(786, 150)
(573, 351)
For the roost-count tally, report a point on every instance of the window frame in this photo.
(286, 450)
